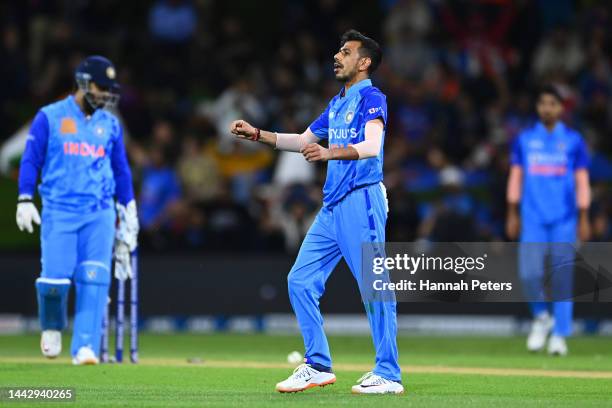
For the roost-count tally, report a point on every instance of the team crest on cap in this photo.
(91, 274)
(349, 117)
(110, 72)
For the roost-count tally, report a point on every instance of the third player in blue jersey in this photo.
(550, 181)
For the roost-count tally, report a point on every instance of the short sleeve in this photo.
(375, 107)
(320, 126)
(581, 159)
(516, 157)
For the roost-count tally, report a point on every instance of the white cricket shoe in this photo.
(371, 383)
(540, 328)
(305, 377)
(51, 343)
(85, 356)
(557, 346)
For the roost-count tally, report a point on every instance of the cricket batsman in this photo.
(76, 145)
(549, 180)
(354, 212)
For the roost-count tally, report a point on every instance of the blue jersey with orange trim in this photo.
(549, 161)
(82, 159)
(343, 124)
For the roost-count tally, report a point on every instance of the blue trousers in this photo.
(78, 247)
(337, 233)
(555, 243)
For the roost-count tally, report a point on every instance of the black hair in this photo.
(369, 48)
(549, 90)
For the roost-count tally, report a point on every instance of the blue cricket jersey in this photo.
(549, 161)
(343, 124)
(82, 161)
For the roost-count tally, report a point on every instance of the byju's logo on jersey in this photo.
(342, 133)
(349, 117)
(535, 144)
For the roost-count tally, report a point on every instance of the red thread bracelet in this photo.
(257, 135)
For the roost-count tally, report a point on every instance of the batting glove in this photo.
(126, 239)
(123, 266)
(27, 214)
(127, 231)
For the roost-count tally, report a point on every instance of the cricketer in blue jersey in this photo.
(549, 180)
(76, 146)
(354, 212)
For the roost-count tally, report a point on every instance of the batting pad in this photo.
(92, 281)
(53, 302)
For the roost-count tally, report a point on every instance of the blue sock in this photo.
(52, 302)
(537, 308)
(318, 367)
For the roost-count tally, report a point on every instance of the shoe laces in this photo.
(374, 379)
(365, 376)
(303, 370)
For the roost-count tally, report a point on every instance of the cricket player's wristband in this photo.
(24, 198)
(257, 135)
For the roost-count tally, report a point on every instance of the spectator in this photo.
(160, 192)
(560, 51)
(198, 172)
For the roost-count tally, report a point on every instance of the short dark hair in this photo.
(549, 90)
(369, 48)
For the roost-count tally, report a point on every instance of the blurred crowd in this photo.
(459, 77)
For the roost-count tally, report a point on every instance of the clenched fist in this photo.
(243, 129)
(315, 152)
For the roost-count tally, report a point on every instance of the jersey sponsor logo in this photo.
(99, 131)
(343, 133)
(546, 158)
(372, 111)
(547, 164)
(68, 126)
(535, 144)
(84, 149)
(331, 114)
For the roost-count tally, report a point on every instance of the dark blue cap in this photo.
(99, 70)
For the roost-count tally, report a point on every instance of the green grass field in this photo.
(241, 371)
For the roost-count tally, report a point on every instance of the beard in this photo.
(347, 75)
(88, 106)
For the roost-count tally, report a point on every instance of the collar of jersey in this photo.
(355, 88)
(542, 129)
(76, 109)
